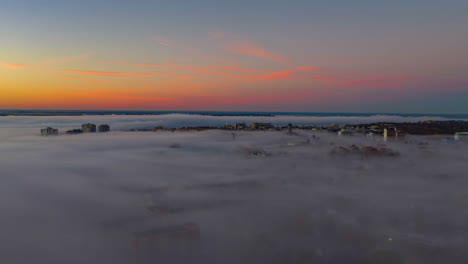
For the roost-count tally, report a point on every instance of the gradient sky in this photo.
(261, 55)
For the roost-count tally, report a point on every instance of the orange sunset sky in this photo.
(261, 56)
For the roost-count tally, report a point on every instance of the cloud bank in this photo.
(265, 197)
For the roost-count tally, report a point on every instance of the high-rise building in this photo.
(104, 128)
(49, 131)
(88, 128)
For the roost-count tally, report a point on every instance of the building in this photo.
(261, 126)
(104, 128)
(88, 128)
(461, 136)
(241, 126)
(74, 131)
(391, 132)
(49, 131)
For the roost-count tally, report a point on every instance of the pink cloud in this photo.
(162, 40)
(285, 74)
(237, 45)
(247, 48)
(346, 73)
(233, 68)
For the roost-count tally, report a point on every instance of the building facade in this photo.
(88, 128)
(461, 136)
(104, 128)
(49, 131)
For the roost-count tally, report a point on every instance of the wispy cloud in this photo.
(11, 65)
(233, 68)
(64, 59)
(241, 46)
(127, 74)
(47, 63)
(285, 74)
(188, 66)
(238, 74)
(110, 73)
(129, 63)
(162, 40)
(79, 78)
(255, 50)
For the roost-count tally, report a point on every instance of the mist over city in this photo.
(208, 197)
(241, 131)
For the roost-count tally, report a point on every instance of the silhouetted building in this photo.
(261, 126)
(104, 128)
(74, 131)
(88, 128)
(49, 131)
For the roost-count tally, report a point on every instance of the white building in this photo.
(461, 136)
(393, 132)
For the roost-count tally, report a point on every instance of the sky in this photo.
(312, 56)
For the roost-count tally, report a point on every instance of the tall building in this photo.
(49, 131)
(88, 128)
(390, 132)
(104, 128)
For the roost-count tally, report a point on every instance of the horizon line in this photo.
(224, 111)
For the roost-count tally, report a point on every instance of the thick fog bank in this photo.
(202, 197)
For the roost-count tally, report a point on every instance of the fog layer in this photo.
(202, 197)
